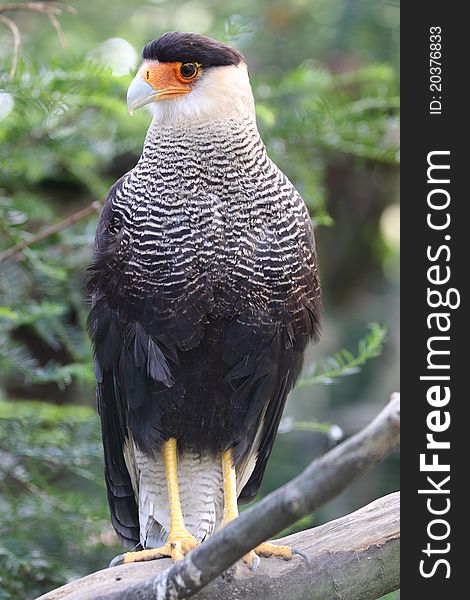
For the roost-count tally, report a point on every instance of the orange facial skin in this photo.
(167, 79)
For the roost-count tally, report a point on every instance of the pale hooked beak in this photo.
(139, 94)
(155, 81)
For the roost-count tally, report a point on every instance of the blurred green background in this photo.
(325, 79)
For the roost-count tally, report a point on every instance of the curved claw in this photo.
(251, 560)
(302, 554)
(117, 560)
(255, 562)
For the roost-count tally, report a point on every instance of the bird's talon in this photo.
(251, 560)
(176, 550)
(267, 550)
(302, 554)
(181, 545)
(117, 560)
(255, 563)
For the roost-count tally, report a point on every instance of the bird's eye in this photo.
(189, 70)
(147, 75)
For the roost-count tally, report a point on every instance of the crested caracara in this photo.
(205, 292)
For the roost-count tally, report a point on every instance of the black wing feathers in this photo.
(125, 359)
(122, 503)
(286, 373)
(263, 373)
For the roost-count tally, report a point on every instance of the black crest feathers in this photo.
(175, 46)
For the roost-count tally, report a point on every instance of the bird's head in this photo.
(190, 76)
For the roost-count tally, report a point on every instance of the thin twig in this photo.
(322, 480)
(13, 27)
(60, 32)
(45, 233)
(46, 7)
(51, 9)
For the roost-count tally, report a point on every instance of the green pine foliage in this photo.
(343, 362)
(311, 110)
(53, 508)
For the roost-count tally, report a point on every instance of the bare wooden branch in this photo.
(45, 233)
(354, 557)
(321, 481)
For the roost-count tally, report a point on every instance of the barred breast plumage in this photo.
(205, 293)
(206, 210)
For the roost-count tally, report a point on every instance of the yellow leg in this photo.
(231, 512)
(180, 541)
(230, 488)
(177, 527)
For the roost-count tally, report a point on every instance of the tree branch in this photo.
(321, 481)
(45, 233)
(355, 557)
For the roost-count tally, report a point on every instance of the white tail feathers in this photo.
(201, 494)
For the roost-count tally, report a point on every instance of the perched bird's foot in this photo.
(286, 552)
(251, 560)
(266, 550)
(176, 548)
(181, 544)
